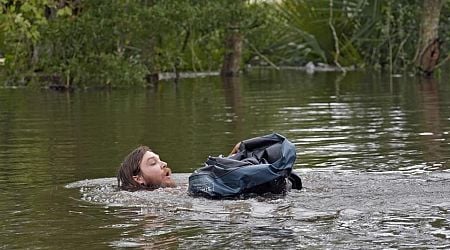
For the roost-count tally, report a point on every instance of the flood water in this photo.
(373, 153)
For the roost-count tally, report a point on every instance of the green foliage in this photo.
(118, 43)
(191, 33)
(97, 48)
(387, 33)
(107, 70)
(184, 38)
(444, 30)
(261, 30)
(20, 23)
(131, 37)
(309, 28)
(371, 33)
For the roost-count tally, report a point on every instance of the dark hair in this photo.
(129, 168)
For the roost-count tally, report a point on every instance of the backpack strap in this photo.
(295, 180)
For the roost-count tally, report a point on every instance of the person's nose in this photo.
(163, 164)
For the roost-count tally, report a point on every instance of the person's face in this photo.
(154, 172)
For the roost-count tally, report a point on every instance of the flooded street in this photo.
(373, 154)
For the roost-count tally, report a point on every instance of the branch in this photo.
(442, 62)
(263, 57)
(336, 40)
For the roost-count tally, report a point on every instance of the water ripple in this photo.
(348, 209)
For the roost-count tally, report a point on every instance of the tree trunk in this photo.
(233, 51)
(429, 38)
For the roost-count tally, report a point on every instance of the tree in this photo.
(429, 43)
(233, 52)
(239, 19)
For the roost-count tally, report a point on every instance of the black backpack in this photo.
(261, 165)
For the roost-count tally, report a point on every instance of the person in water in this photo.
(255, 166)
(143, 169)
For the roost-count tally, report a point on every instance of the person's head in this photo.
(143, 169)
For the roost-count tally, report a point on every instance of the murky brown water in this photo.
(373, 152)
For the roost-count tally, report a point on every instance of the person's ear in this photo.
(138, 179)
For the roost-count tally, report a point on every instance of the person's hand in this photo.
(235, 149)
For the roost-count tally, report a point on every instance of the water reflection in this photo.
(234, 106)
(432, 137)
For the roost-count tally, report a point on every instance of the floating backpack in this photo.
(261, 165)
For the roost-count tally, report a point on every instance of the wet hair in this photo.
(129, 168)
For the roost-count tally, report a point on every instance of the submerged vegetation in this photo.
(82, 43)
